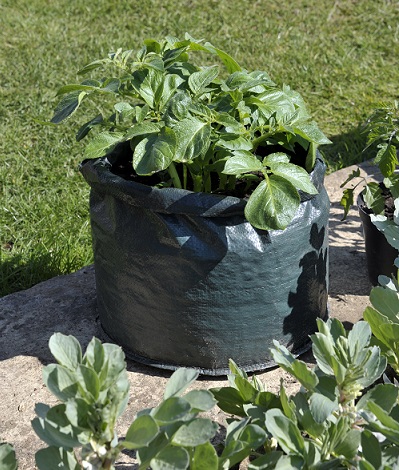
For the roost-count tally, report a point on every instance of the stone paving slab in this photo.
(68, 304)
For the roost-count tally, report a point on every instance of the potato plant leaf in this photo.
(296, 175)
(198, 81)
(103, 143)
(273, 204)
(192, 139)
(242, 162)
(386, 159)
(155, 152)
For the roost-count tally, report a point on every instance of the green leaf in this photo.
(60, 381)
(373, 198)
(346, 201)
(192, 138)
(371, 449)
(234, 142)
(273, 204)
(85, 129)
(266, 462)
(322, 407)
(384, 395)
(8, 460)
(386, 301)
(67, 106)
(167, 90)
(349, 446)
(383, 416)
(200, 400)
(277, 157)
(103, 143)
(285, 431)
(155, 153)
(66, 350)
(171, 409)
(253, 435)
(88, 380)
(198, 81)
(142, 431)
(310, 131)
(143, 128)
(229, 400)
(359, 338)
(55, 458)
(146, 82)
(296, 175)
(295, 367)
(195, 433)
(386, 159)
(171, 458)
(55, 435)
(204, 458)
(390, 331)
(179, 381)
(245, 162)
(94, 355)
(177, 108)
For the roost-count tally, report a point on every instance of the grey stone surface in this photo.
(67, 304)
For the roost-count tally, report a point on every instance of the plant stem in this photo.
(175, 177)
(311, 157)
(259, 140)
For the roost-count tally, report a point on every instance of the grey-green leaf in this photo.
(8, 460)
(55, 458)
(195, 433)
(171, 458)
(204, 458)
(179, 381)
(200, 400)
(141, 432)
(66, 350)
(171, 409)
(285, 431)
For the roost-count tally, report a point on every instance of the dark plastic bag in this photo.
(380, 254)
(184, 280)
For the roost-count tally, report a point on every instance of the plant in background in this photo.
(383, 128)
(191, 127)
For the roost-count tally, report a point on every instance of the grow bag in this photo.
(184, 280)
(380, 254)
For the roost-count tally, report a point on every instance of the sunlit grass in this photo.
(341, 55)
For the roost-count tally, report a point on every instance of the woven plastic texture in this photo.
(184, 280)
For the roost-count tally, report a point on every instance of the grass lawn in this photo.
(341, 55)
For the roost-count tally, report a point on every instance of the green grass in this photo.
(342, 57)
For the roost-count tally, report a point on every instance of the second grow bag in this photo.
(184, 280)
